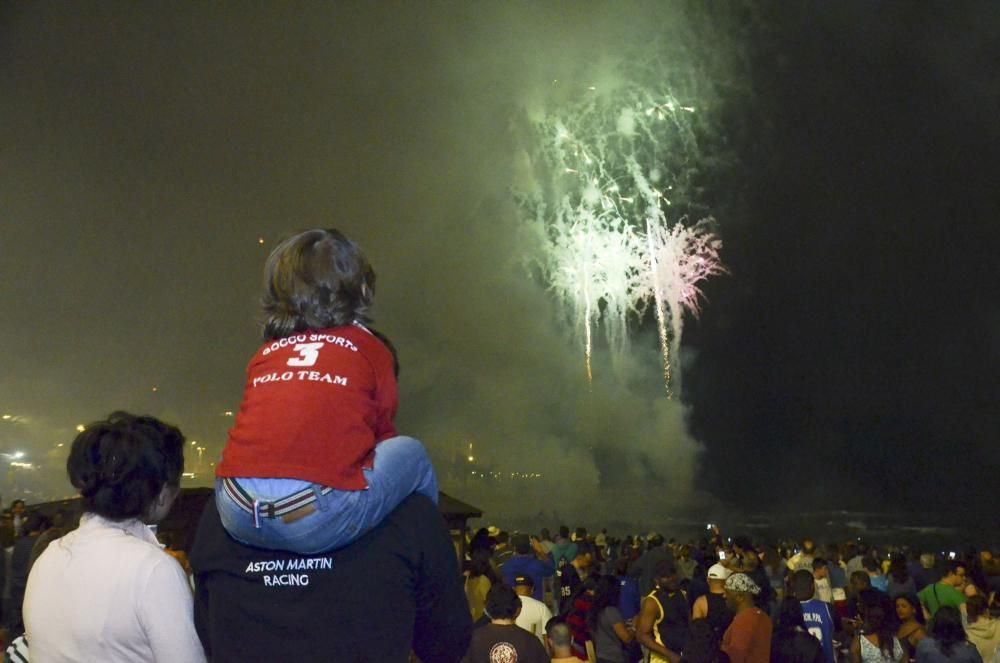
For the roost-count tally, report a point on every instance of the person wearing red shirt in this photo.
(313, 460)
(748, 638)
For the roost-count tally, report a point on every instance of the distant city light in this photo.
(227, 413)
(79, 428)
(24, 465)
(472, 459)
(156, 388)
(6, 417)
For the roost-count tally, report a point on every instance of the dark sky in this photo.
(849, 360)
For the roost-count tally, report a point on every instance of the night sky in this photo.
(848, 360)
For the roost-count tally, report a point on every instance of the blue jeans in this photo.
(401, 467)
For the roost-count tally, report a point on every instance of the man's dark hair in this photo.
(946, 628)
(665, 568)
(861, 578)
(121, 464)
(503, 537)
(655, 541)
(871, 564)
(742, 542)
(315, 279)
(521, 544)
(16, 502)
(803, 585)
(819, 563)
(976, 606)
(564, 531)
(502, 602)
(584, 548)
(953, 565)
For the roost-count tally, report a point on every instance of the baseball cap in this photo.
(524, 580)
(718, 572)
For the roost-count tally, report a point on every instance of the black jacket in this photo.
(396, 588)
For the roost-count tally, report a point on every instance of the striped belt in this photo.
(284, 508)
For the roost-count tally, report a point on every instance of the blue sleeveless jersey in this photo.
(819, 622)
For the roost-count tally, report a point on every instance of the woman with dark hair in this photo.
(607, 626)
(107, 591)
(876, 642)
(981, 628)
(478, 581)
(791, 642)
(947, 641)
(911, 623)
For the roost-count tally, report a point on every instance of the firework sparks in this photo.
(609, 166)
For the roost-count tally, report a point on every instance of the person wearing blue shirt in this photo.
(531, 560)
(817, 615)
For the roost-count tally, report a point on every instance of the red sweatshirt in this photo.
(314, 406)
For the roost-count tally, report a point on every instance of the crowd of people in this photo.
(324, 542)
(619, 600)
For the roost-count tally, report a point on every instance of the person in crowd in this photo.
(20, 563)
(106, 591)
(856, 562)
(876, 641)
(601, 539)
(664, 617)
(803, 559)
(564, 549)
(502, 551)
(911, 620)
(817, 616)
(396, 588)
(481, 541)
(313, 460)
(560, 639)
(608, 629)
(791, 642)
(478, 580)
(983, 629)
(712, 606)
(18, 516)
(947, 641)
(874, 571)
(545, 540)
(630, 601)
(752, 567)
(645, 567)
(821, 578)
(534, 614)
(748, 638)
(529, 559)
(685, 564)
(899, 578)
(502, 639)
(775, 570)
(860, 581)
(946, 591)
(573, 576)
(703, 645)
(576, 616)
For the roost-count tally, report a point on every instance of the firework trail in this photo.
(609, 166)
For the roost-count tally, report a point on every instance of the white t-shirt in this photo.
(533, 617)
(107, 592)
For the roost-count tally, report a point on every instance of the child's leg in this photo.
(401, 467)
